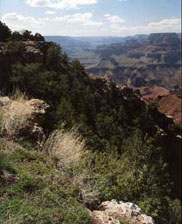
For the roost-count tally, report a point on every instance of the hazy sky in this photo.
(92, 17)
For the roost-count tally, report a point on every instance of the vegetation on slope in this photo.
(39, 192)
(133, 152)
(7, 35)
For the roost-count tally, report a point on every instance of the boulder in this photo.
(33, 52)
(21, 117)
(112, 212)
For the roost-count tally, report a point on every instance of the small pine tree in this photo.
(5, 32)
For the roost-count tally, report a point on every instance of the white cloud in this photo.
(49, 12)
(92, 23)
(19, 22)
(166, 25)
(79, 17)
(84, 24)
(16, 21)
(114, 18)
(60, 4)
(40, 3)
(52, 25)
(82, 18)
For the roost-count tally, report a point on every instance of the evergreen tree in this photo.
(5, 32)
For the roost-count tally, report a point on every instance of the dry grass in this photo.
(1, 118)
(16, 115)
(19, 116)
(88, 187)
(65, 146)
(69, 151)
(19, 96)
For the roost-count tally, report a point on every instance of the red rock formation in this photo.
(170, 105)
(169, 102)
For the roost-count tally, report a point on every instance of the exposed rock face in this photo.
(20, 117)
(152, 93)
(33, 51)
(169, 103)
(112, 212)
(171, 106)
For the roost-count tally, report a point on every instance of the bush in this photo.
(67, 147)
(5, 32)
(143, 180)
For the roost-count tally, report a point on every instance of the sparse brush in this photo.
(21, 117)
(13, 117)
(68, 149)
(65, 146)
(1, 119)
(19, 96)
(88, 188)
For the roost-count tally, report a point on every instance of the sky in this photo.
(92, 17)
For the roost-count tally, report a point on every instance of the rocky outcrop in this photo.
(29, 51)
(169, 103)
(33, 52)
(152, 93)
(112, 212)
(21, 117)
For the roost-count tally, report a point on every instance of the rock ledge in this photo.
(112, 212)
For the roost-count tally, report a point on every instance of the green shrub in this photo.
(27, 144)
(139, 175)
(28, 183)
(6, 163)
(22, 155)
(14, 47)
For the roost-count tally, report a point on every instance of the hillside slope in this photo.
(131, 150)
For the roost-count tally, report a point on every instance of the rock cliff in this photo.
(33, 51)
(169, 103)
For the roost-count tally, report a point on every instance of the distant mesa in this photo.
(164, 39)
